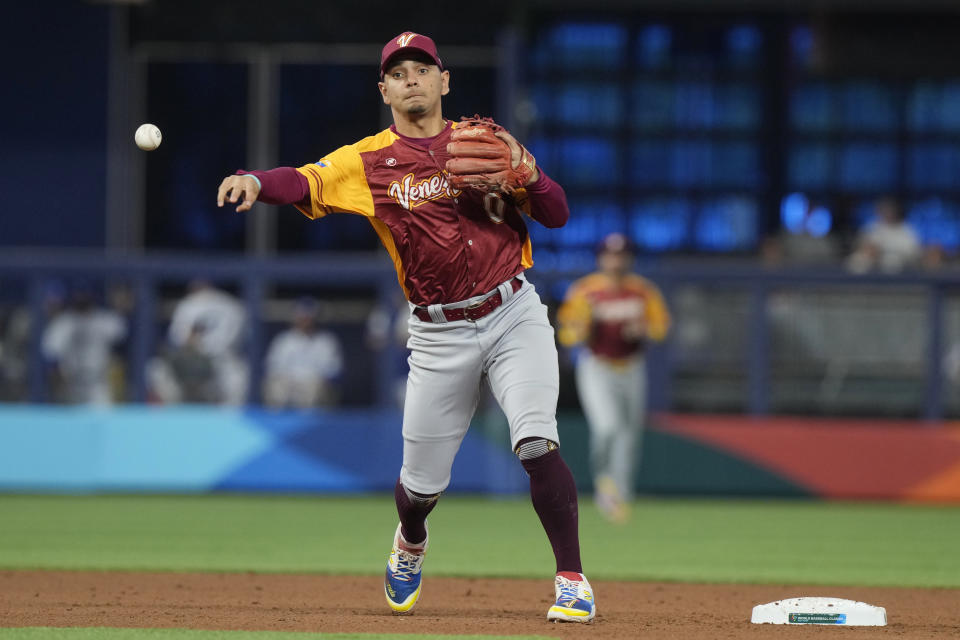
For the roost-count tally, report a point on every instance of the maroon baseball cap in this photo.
(408, 42)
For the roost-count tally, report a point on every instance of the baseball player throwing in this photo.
(448, 202)
(614, 313)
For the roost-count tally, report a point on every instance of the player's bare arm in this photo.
(236, 188)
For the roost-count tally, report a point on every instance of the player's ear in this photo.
(383, 92)
(445, 82)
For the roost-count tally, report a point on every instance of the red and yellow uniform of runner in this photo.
(613, 320)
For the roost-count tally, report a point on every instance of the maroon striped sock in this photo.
(554, 496)
(413, 513)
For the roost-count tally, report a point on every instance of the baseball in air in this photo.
(148, 137)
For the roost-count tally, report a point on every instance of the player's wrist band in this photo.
(250, 175)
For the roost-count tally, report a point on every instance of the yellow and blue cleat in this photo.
(610, 501)
(401, 583)
(575, 601)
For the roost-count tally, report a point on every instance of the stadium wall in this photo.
(204, 449)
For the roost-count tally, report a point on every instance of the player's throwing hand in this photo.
(233, 187)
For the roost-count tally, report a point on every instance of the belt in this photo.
(473, 312)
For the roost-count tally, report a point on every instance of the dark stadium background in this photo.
(698, 128)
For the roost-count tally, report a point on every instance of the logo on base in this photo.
(817, 618)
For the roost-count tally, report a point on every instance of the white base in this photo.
(832, 611)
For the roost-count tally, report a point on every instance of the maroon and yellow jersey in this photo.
(447, 245)
(614, 321)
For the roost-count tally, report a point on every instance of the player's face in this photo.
(615, 263)
(414, 87)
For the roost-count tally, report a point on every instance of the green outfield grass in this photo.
(100, 633)
(673, 540)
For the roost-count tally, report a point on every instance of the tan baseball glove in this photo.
(484, 156)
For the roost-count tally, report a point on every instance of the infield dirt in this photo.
(343, 604)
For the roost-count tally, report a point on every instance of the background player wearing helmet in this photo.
(460, 258)
(613, 313)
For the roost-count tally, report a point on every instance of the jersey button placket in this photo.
(466, 256)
